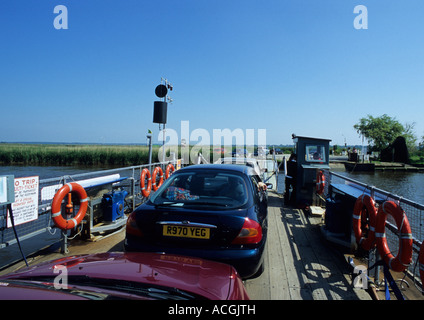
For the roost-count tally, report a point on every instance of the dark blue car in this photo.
(216, 212)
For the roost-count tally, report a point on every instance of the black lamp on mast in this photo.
(160, 108)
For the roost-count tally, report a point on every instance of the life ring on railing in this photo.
(58, 219)
(169, 170)
(421, 264)
(404, 256)
(145, 190)
(155, 173)
(364, 204)
(320, 182)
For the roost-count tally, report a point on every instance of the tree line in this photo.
(382, 131)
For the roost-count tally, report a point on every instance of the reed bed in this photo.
(72, 155)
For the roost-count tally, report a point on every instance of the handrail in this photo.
(102, 171)
(391, 227)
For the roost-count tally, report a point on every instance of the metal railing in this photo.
(129, 180)
(126, 179)
(413, 210)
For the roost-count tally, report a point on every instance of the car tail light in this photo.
(132, 227)
(250, 233)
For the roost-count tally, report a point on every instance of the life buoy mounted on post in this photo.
(158, 170)
(169, 170)
(145, 190)
(320, 182)
(364, 204)
(404, 256)
(58, 219)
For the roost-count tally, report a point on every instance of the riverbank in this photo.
(74, 154)
(381, 166)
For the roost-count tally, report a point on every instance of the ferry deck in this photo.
(300, 264)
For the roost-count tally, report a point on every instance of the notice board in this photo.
(25, 207)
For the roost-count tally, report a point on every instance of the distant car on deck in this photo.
(132, 275)
(277, 151)
(240, 153)
(252, 162)
(216, 212)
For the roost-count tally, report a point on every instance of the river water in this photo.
(44, 172)
(409, 185)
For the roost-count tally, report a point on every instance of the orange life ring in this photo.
(421, 264)
(58, 219)
(145, 191)
(155, 173)
(404, 256)
(320, 182)
(364, 204)
(169, 170)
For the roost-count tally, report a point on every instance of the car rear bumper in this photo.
(246, 261)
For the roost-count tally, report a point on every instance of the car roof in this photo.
(227, 167)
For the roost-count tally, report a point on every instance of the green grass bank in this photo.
(74, 154)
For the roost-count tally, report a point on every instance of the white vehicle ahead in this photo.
(267, 170)
(251, 162)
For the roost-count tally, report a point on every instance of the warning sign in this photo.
(25, 207)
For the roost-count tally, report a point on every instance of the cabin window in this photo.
(315, 153)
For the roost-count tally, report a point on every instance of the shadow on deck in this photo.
(299, 263)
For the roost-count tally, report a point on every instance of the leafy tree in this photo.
(411, 139)
(421, 146)
(381, 131)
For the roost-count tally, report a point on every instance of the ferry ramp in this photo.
(299, 263)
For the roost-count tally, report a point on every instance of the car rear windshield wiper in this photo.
(188, 203)
(206, 203)
(168, 204)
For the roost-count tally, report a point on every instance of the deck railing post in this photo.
(374, 256)
(133, 188)
(64, 240)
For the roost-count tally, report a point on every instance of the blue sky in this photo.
(292, 66)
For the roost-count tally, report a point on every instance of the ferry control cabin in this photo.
(312, 156)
